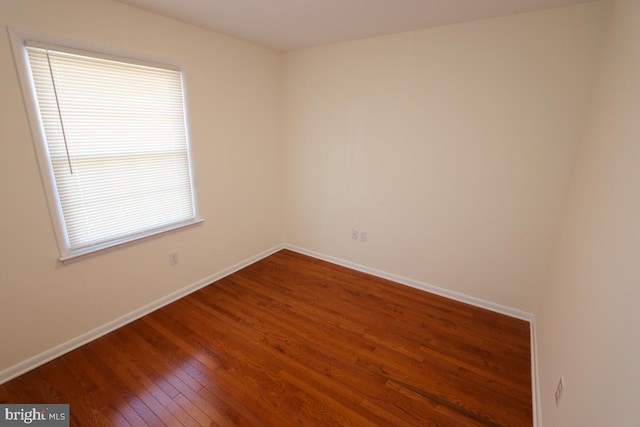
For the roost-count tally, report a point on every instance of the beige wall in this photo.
(451, 146)
(590, 312)
(232, 90)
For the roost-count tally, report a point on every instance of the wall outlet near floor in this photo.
(173, 258)
(559, 389)
(362, 236)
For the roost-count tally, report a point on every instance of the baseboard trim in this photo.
(536, 403)
(508, 311)
(512, 312)
(57, 351)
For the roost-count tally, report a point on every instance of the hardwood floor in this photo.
(292, 340)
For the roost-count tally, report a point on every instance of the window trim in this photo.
(18, 38)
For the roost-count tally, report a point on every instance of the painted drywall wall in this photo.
(452, 147)
(232, 93)
(590, 311)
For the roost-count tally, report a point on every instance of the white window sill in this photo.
(82, 253)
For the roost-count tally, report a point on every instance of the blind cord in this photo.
(55, 93)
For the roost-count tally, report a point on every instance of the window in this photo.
(114, 152)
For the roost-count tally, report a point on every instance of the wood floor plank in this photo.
(311, 358)
(334, 343)
(386, 319)
(181, 377)
(292, 340)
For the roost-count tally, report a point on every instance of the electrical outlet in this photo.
(559, 389)
(362, 236)
(173, 257)
(354, 234)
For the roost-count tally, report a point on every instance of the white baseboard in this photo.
(512, 312)
(57, 351)
(535, 381)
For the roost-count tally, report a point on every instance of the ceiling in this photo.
(293, 24)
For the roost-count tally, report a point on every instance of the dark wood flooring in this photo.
(291, 340)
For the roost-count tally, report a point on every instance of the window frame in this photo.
(18, 38)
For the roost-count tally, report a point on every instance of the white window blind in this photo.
(117, 146)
